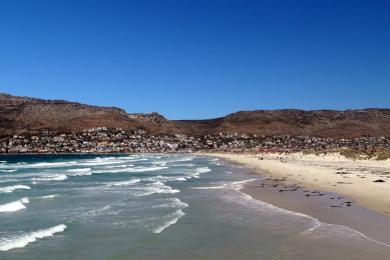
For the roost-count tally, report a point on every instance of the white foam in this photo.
(129, 170)
(215, 162)
(9, 180)
(197, 172)
(80, 172)
(6, 165)
(185, 159)
(138, 160)
(98, 211)
(105, 158)
(153, 188)
(54, 177)
(166, 178)
(110, 161)
(174, 217)
(160, 163)
(21, 241)
(209, 187)
(239, 185)
(172, 203)
(51, 196)
(99, 163)
(118, 166)
(123, 183)
(147, 169)
(12, 188)
(51, 165)
(17, 166)
(8, 170)
(184, 164)
(113, 170)
(316, 224)
(236, 185)
(14, 206)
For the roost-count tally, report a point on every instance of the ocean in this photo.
(155, 206)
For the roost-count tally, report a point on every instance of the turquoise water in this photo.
(154, 207)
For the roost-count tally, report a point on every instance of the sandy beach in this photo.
(366, 182)
(331, 188)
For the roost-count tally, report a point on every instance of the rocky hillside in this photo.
(324, 123)
(21, 114)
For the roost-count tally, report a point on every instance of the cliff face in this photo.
(22, 114)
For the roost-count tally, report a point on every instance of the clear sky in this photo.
(198, 59)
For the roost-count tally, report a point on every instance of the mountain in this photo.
(24, 114)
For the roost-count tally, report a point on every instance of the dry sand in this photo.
(328, 173)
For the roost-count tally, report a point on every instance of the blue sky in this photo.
(198, 59)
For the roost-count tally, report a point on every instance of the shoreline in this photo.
(328, 206)
(286, 195)
(285, 188)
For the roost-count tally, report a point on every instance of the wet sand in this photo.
(327, 207)
(285, 188)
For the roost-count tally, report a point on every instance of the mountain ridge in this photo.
(28, 115)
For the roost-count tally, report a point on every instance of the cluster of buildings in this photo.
(107, 140)
(97, 140)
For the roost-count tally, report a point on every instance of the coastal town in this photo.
(118, 140)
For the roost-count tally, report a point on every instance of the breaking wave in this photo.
(14, 206)
(36, 165)
(172, 203)
(166, 178)
(55, 177)
(80, 172)
(197, 172)
(153, 188)
(156, 177)
(185, 159)
(51, 196)
(23, 240)
(130, 169)
(147, 169)
(123, 183)
(12, 188)
(173, 218)
(111, 161)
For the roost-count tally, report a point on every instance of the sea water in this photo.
(154, 206)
